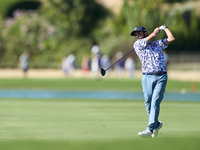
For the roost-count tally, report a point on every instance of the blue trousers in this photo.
(153, 89)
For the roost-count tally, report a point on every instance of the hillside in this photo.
(114, 5)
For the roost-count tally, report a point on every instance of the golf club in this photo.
(103, 72)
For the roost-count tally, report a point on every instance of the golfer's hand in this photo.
(153, 35)
(162, 27)
(156, 31)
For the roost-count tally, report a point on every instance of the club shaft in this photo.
(119, 59)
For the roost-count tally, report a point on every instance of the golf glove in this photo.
(162, 27)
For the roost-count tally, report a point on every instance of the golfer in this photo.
(154, 78)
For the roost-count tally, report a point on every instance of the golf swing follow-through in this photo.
(154, 73)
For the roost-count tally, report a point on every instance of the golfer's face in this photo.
(139, 35)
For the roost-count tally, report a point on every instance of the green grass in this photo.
(60, 124)
(89, 84)
(94, 124)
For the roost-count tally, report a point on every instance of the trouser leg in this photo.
(157, 96)
(147, 85)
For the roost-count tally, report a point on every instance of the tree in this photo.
(143, 13)
(80, 17)
(59, 28)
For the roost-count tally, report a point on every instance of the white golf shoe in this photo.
(155, 131)
(145, 134)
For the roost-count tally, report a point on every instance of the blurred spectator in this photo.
(119, 67)
(24, 62)
(166, 58)
(95, 63)
(85, 65)
(64, 65)
(130, 66)
(95, 49)
(68, 65)
(105, 62)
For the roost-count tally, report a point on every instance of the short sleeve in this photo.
(162, 43)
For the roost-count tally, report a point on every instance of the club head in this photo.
(103, 72)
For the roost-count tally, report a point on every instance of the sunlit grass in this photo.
(94, 124)
(90, 84)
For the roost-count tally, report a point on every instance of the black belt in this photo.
(155, 73)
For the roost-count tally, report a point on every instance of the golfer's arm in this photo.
(153, 35)
(170, 37)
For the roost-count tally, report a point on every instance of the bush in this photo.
(58, 29)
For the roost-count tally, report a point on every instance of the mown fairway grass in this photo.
(94, 124)
(90, 84)
(74, 124)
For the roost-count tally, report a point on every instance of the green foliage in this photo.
(62, 27)
(184, 22)
(185, 26)
(26, 32)
(75, 17)
(56, 30)
(143, 13)
(4, 5)
(174, 1)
